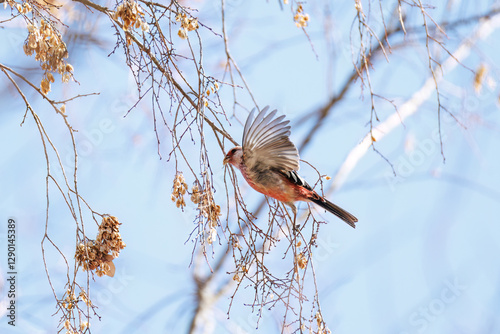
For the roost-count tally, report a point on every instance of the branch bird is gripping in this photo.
(268, 161)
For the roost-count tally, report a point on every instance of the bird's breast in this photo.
(271, 184)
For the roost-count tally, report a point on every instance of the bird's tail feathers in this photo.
(336, 210)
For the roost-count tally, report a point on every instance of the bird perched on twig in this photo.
(269, 162)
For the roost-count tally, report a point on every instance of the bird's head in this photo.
(234, 156)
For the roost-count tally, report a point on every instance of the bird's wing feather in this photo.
(266, 142)
(296, 179)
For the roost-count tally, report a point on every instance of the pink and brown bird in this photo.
(269, 162)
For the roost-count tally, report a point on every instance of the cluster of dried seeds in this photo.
(131, 15)
(301, 260)
(50, 50)
(211, 211)
(21, 8)
(187, 24)
(207, 209)
(98, 254)
(179, 190)
(322, 329)
(301, 19)
(205, 201)
(68, 303)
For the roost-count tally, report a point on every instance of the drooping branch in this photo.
(147, 51)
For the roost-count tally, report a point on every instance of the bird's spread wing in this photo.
(266, 142)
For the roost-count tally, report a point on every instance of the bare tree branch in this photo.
(410, 107)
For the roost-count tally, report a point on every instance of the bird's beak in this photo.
(226, 160)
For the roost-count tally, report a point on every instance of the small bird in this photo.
(269, 162)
